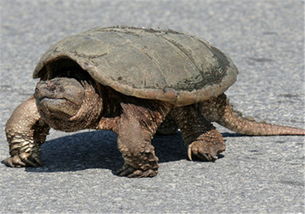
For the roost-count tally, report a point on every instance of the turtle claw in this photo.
(130, 172)
(203, 151)
(125, 170)
(189, 152)
(22, 160)
(13, 162)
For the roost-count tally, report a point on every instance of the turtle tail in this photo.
(219, 110)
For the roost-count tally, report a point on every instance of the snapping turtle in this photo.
(135, 82)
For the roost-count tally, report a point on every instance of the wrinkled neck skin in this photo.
(68, 104)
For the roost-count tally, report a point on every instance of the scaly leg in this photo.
(25, 132)
(201, 137)
(136, 127)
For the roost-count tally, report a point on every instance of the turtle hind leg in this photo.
(135, 128)
(203, 140)
(25, 132)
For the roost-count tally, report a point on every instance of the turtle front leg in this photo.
(203, 140)
(25, 132)
(136, 127)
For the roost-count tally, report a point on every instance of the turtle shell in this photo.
(151, 64)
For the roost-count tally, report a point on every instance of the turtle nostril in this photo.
(37, 90)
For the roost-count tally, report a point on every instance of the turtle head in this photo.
(68, 103)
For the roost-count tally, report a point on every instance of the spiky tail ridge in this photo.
(219, 110)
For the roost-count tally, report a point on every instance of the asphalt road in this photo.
(256, 174)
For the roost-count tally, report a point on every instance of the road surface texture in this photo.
(256, 174)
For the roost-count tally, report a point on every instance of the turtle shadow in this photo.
(98, 149)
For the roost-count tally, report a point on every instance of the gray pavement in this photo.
(256, 175)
